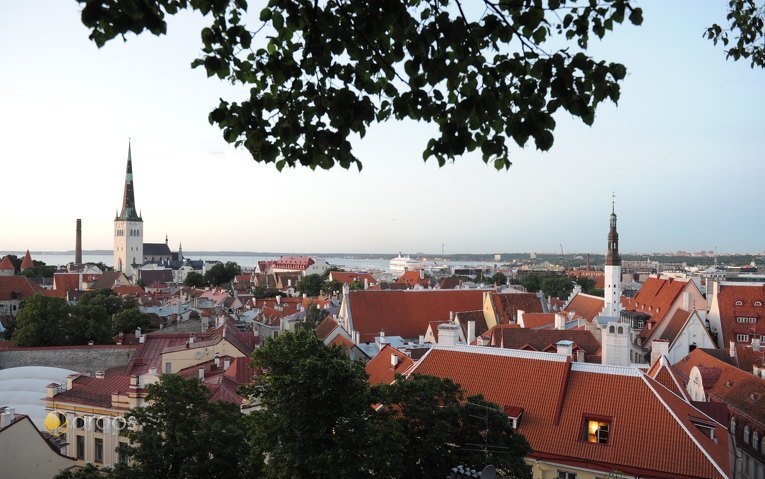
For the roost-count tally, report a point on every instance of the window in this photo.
(756, 440)
(746, 434)
(79, 422)
(596, 431)
(758, 303)
(733, 424)
(122, 455)
(739, 303)
(742, 338)
(566, 475)
(80, 449)
(168, 368)
(98, 445)
(744, 319)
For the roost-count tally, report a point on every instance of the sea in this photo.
(245, 261)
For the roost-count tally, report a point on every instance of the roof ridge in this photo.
(682, 426)
(494, 351)
(664, 363)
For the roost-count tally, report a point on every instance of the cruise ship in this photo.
(404, 263)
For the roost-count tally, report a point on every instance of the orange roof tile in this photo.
(381, 369)
(407, 313)
(17, 287)
(727, 299)
(542, 339)
(412, 278)
(7, 264)
(507, 305)
(538, 320)
(586, 306)
(26, 263)
(558, 396)
(347, 277)
(325, 328)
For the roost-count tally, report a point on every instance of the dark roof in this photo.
(156, 249)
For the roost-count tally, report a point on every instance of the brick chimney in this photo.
(78, 243)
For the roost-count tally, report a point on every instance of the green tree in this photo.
(39, 270)
(106, 298)
(40, 322)
(498, 278)
(437, 427)
(313, 420)
(90, 471)
(325, 274)
(263, 292)
(194, 279)
(182, 435)
(356, 285)
(554, 285)
(310, 284)
(314, 316)
(128, 320)
(745, 35)
(221, 274)
(329, 287)
(324, 72)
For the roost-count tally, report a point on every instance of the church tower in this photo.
(128, 228)
(613, 271)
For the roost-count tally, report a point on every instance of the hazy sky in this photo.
(684, 152)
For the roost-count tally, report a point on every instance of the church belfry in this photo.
(128, 227)
(613, 271)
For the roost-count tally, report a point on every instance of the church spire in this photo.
(128, 197)
(612, 257)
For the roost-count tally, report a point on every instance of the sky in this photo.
(683, 152)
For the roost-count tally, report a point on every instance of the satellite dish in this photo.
(489, 472)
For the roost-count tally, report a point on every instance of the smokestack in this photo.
(78, 243)
(588, 261)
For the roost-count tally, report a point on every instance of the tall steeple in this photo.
(613, 270)
(128, 197)
(612, 257)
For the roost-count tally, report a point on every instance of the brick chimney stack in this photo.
(78, 243)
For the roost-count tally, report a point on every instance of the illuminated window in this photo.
(597, 431)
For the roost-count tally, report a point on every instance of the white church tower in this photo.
(128, 228)
(613, 272)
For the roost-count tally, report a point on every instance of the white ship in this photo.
(404, 263)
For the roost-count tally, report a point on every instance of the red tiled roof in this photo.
(325, 328)
(240, 371)
(542, 339)
(347, 277)
(26, 263)
(407, 313)
(149, 353)
(450, 283)
(656, 297)
(128, 290)
(662, 372)
(586, 306)
(93, 391)
(7, 264)
(17, 287)
(412, 278)
(463, 317)
(380, 368)
(66, 281)
(293, 262)
(557, 397)
(727, 297)
(743, 392)
(538, 320)
(507, 305)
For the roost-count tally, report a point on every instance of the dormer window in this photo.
(597, 430)
(739, 303)
(746, 434)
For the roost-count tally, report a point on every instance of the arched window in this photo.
(755, 440)
(733, 424)
(746, 434)
(621, 330)
(758, 303)
(739, 303)
(611, 329)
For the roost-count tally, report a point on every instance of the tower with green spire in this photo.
(128, 227)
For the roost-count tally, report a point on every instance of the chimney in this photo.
(560, 321)
(192, 338)
(358, 337)
(519, 314)
(51, 390)
(451, 316)
(757, 370)
(732, 350)
(100, 374)
(393, 361)
(141, 339)
(588, 261)
(6, 417)
(580, 355)
(382, 338)
(448, 334)
(756, 344)
(471, 332)
(366, 283)
(70, 380)
(422, 274)
(278, 299)
(422, 339)
(659, 348)
(201, 373)
(78, 243)
(565, 347)
(686, 301)
(226, 363)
